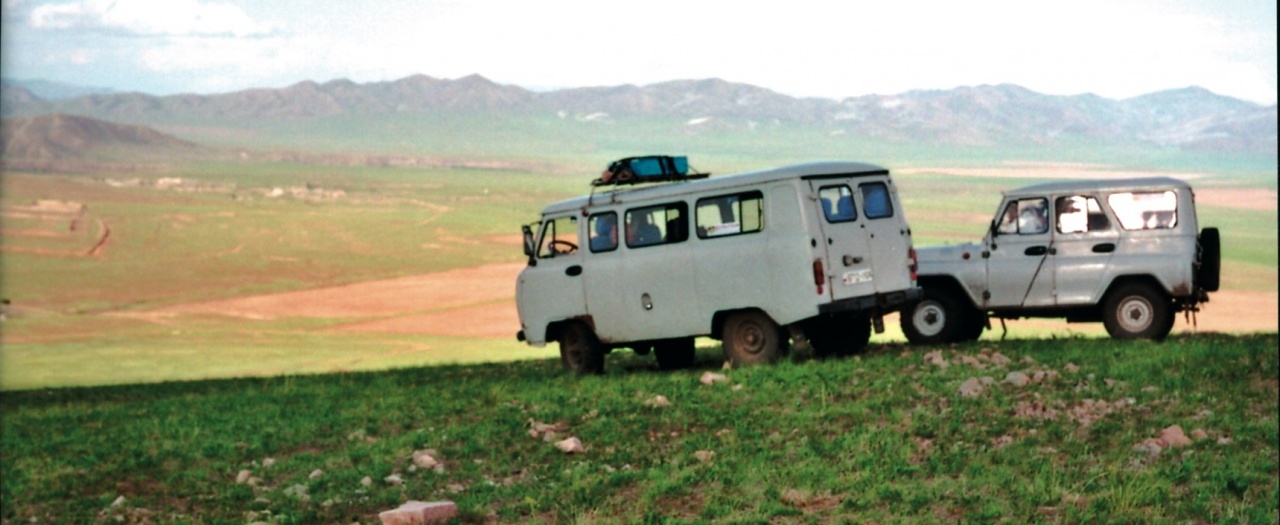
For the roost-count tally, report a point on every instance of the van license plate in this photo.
(857, 277)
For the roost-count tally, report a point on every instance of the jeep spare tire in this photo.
(1207, 276)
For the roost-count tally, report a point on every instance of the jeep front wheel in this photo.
(580, 351)
(751, 337)
(1138, 311)
(935, 319)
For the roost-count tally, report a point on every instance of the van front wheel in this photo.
(580, 351)
(751, 337)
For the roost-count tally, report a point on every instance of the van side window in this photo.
(876, 203)
(1080, 214)
(837, 203)
(603, 229)
(662, 224)
(559, 237)
(1150, 210)
(730, 214)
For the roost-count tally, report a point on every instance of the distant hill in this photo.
(49, 90)
(1191, 118)
(58, 137)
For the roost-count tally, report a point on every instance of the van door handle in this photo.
(1037, 250)
(573, 271)
(1106, 247)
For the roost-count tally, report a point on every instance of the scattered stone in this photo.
(366, 481)
(425, 458)
(1038, 376)
(394, 479)
(1027, 360)
(705, 456)
(728, 365)
(1150, 447)
(658, 402)
(1150, 389)
(736, 387)
(1204, 413)
(986, 380)
(970, 361)
(570, 445)
(1002, 441)
(971, 387)
(267, 462)
(935, 358)
(1071, 368)
(711, 378)
(545, 431)
(1017, 379)
(297, 491)
(243, 477)
(1173, 437)
(999, 359)
(118, 502)
(420, 513)
(1199, 434)
(315, 474)
(1224, 440)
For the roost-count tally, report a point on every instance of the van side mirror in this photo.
(528, 244)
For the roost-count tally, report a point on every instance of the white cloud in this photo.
(142, 17)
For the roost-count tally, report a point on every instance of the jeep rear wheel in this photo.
(751, 337)
(935, 319)
(1138, 311)
(580, 351)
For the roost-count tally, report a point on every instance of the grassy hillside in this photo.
(886, 437)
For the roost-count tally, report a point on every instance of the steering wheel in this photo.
(562, 247)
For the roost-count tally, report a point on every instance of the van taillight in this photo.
(915, 264)
(819, 275)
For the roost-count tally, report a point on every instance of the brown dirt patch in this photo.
(1251, 199)
(497, 320)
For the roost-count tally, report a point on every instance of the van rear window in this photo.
(728, 215)
(876, 203)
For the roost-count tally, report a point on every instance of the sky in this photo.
(831, 49)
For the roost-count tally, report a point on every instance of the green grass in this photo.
(881, 438)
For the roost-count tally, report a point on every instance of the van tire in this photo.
(840, 336)
(1208, 275)
(935, 319)
(580, 351)
(675, 354)
(1138, 311)
(751, 337)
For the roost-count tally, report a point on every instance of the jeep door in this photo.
(1085, 239)
(1019, 270)
(550, 289)
(848, 263)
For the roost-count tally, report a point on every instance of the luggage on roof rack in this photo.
(648, 168)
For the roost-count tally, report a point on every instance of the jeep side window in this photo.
(837, 203)
(875, 200)
(1079, 214)
(603, 228)
(730, 214)
(559, 237)
(652, 225)
(1146, 210)
(1025, 217)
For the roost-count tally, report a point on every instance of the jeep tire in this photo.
(937, 318)
(750, 337)
(580, 351)
(1138, 311)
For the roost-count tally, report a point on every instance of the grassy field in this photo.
(885, 437)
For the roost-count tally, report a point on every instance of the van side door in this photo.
(848, 261)
(551, 288)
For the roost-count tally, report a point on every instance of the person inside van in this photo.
(641, 230)
(604, 232)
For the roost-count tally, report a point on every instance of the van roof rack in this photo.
(647, 169)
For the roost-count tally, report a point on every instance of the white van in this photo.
(822, 249)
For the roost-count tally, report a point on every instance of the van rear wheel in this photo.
(580, 351)
(751, 337)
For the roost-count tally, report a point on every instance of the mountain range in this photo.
(1190, 118)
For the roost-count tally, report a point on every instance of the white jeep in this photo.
(815, 253)
(1123, 252)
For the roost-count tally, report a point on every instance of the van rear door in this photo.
(887, 234)
(848, 262)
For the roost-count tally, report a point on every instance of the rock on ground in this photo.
(419, 513)
(570, 445)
